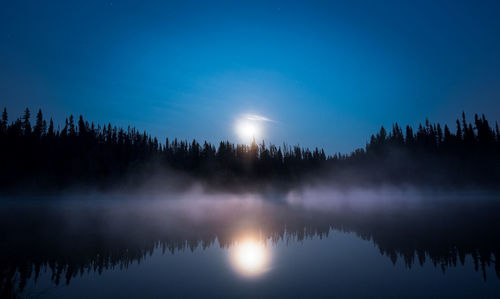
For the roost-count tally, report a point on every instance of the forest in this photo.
(37, 156)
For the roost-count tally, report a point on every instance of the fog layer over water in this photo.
(310, 241)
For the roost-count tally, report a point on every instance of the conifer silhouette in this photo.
(98, 154)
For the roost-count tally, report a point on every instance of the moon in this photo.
(247, 130)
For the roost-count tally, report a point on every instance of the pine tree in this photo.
(64, 131)
(381, 137)
(40, 125)
(397, 134)
(26, 125)
(439, 135)
(82, 127)
(50, 131)
(254, 149)
(71, 123)
(5, 120)
(410, 139)
(459, 134)
(464, 123)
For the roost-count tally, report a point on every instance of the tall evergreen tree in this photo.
(82, 127)
(50, 131)
(40, 125)
(410, 139)
(71, 123)
(459, 134)
(5, 120)
(381, 137)
(439, 135)
(26, 125)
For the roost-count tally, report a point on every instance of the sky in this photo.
(313, 73)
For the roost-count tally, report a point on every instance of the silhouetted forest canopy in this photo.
(37, 155)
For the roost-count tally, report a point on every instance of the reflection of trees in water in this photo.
(38, 240)
(443, 238)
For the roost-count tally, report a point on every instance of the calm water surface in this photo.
(251, 246)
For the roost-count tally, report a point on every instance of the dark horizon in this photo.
(453, 127)
(85, 154)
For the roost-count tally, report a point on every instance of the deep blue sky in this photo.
(327, 73)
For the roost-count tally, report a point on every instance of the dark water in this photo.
(306, 244)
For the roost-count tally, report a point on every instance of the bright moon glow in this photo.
(247, 130)
(250, 258)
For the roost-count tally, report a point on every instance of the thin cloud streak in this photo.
(255, 117)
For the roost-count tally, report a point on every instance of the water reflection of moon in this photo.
(250, 257)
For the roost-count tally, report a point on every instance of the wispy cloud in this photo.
(255, 117)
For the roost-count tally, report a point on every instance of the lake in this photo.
(302, 244)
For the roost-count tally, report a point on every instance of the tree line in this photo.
(478, 135)
(39, 155)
